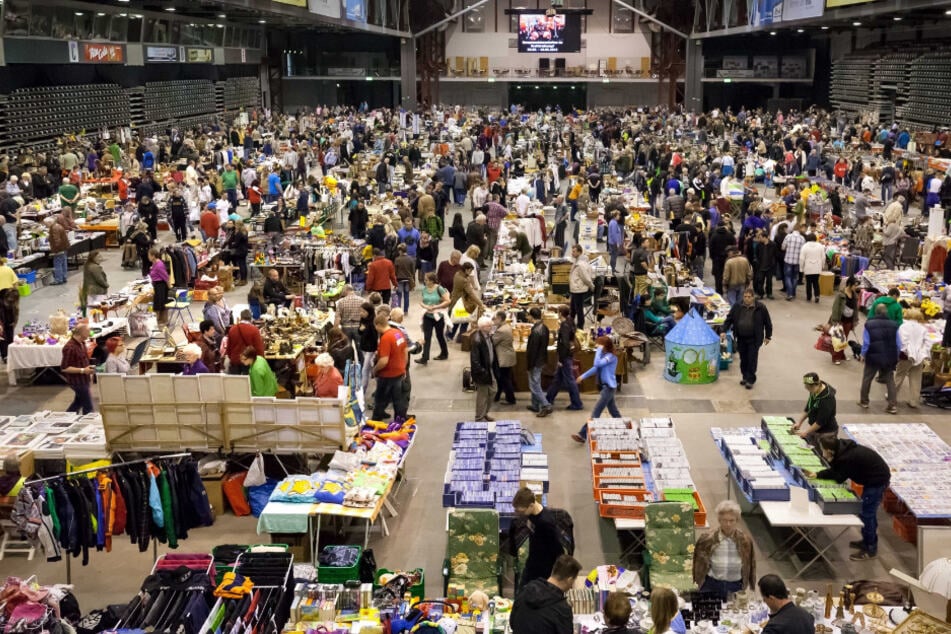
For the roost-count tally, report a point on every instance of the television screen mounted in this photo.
(540, 33)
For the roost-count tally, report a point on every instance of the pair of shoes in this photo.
(545, 411)
(532, 408)
(485, 419)
(56, 283)
(420, 361)
(863, 555)
(863, 405)
(572, 408)
(512, 402)
(789, 298)
(577, 438)
(743, 382)
(858, 543)
(441, 357)
(891, 409)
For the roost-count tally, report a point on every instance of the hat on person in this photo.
(325, 360)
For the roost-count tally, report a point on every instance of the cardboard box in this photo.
(215, 495)
(298, 545)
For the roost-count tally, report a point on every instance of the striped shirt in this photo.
(792, 245)
(350, 310)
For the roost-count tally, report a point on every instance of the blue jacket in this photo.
(605, 365)
(273, 184)
(883, 332)
(615, 235)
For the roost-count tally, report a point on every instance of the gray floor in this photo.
(417, 536)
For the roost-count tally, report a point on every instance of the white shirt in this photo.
(521, 203)
(914, 341)
(223, 207)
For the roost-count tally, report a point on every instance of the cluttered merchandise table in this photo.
(42, 350)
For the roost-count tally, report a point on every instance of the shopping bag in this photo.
(824, 343)
(232, 485)
(459, 312)
(837, 335)
(256, 475)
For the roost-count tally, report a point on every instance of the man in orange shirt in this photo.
(381, 276)
(210, 223)
(390, 368)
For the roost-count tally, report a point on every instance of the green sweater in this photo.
(895, 312)
(263, 381)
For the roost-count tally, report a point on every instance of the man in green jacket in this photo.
(229, 181)
(890, 301)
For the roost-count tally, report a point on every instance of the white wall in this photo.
(628, 48)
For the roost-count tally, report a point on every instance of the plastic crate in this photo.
(417, 591)
(330, 574)
(29, 277)
(627, 511)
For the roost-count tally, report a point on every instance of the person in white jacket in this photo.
(915, 349)
(812, 259)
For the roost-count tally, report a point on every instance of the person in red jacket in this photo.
(240, 336)
(381, 276)
(255, 197)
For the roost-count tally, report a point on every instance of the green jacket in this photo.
(895, 312)
(433, 226)
(263, 381)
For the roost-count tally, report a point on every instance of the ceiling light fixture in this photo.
(800, 30)
(101, 15)
(856, 24)
(948, 12)
(262, 21)
(825, 28)
(123, 15)
(123, 0)
(170, 9)
(772, 32)
(79, 13)
(897, 18)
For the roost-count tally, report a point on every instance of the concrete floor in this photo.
(417, 536)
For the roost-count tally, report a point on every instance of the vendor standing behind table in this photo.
(850, 461)
(820, 410)
(242, 335)
(785, 617)
(540, 607)
(723, 559)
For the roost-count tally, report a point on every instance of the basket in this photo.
(330, 574)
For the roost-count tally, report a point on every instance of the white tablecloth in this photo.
(29, 356)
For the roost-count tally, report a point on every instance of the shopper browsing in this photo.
(536, 352)
(617, 613)
(851, 461)
(78, 373)
(820, 409)
(541, 607)
(483, 362)
(665, 607)
(752, 328)
(390, 368)
(605, 366)
(564, 375)
(881, 343)
(263, 381)
(580, 283)
(723, 559)
(544, 546)
(785, 617)
(503, 340)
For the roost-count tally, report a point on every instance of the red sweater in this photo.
(240, 336)
(381, 275)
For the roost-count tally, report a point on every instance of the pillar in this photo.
(408, 73)
(693, 76)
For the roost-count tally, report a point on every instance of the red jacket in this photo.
(381, 275)
(240, 336)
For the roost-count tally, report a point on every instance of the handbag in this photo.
(837, 337)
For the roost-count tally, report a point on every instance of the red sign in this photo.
(103, 53)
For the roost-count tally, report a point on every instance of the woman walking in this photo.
(369, 338)
(435, 300)
(158, 274)
(915, 350)
(605, 366)
(844, 312)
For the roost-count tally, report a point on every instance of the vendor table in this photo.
(110, 228)
(29, 356)
(284, 270)
(806, 526)
(585, 359)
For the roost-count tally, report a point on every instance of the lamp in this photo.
(936, 577)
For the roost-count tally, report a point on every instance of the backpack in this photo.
(467, 384)
(566, 529)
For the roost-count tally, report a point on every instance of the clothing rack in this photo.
(111, 466)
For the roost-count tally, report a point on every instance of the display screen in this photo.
(540, 33)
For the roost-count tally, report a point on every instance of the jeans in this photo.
(791, 277)
(749, 358)
(506, 385)
(11, 231)
(402, 292)
(763, 283)
(389, 390)
(697, 264)
(367, 370)
(871, 499)
(232, 195)
(868, 373)
(431, 324)
(734, 294)
(59, 268)
(565, 378)
(812, 286)
(720, 588)
(82, 402)
(460, 196)
(887, 191)
(577, 308)
(605, 400)
(613, 250)
(539, 399)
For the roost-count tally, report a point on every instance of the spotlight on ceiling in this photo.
(897, 18)
(856, 24)
(825, 28)
(800, 30)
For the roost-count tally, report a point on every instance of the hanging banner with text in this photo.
(328, 8)
(831, 4)
(198, 55)
(103, 53)
(802, 9)
(161, 53)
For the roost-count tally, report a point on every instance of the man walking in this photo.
(229, 182)
(564, 375)
(483, 364)
(880, 345)
(752, 328)
(389, 370)
(349, 310)
(737, 275)
(580, 283)
(536, 352)
(59, 245)
(792, 245)
(77, 371)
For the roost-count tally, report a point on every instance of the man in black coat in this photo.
(850, 461)
(476, 236)
(541, 607)
(749, 320)
(880, 346)
(764, 265)
(721, 240)
(785, 617)
(483, 364)
(536, 355)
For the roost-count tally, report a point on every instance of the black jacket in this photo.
(765, 257)
(541, 608)
(790, 619)
(376, 237)
(720, 241)
(275, 292)
(475, 234)
(882, 343)
(821, 410)
(566, 336)
(480, 362)
(755, 326)
(536, 348)
(859, 464)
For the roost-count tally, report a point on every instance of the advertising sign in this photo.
(73, 52)
(161, 54)
(199, 55)
(103, 53)
(801, 9)
(293, 3)
(356, 10)
(766, 12)
(329, 8)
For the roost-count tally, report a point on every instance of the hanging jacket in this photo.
(69, 535)
(155, 498)
(168, 515)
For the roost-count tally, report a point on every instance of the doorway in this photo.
(535, 96)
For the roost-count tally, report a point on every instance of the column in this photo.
(408, 73)
(693, 76)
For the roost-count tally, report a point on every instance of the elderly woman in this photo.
(723, 560)
(217, 311)
(328, 379)
(193, 363)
